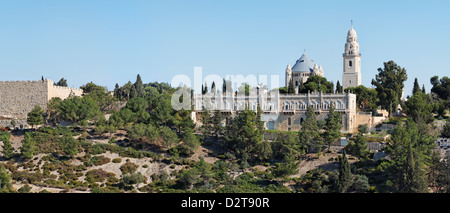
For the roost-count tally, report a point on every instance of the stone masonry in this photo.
(17, 98)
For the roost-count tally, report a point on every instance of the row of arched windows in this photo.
(303, 106)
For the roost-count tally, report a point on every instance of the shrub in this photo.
(97, 161)
(128, 168)
(117, 160)
(97, 175)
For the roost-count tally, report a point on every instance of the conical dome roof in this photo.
(303, 64)
(351, 33)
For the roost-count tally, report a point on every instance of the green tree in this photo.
(168, 136)
(418, 107)
(389, 85)
(62, 82)
(416, 87)
(446, 129)
(264, 150)
(34, 117)
(345, 174)
(8, 149)
(69, 145)
(99, 94)
(289, 167)
(53, 112)
(191, 142)
(317, 83)
(28, 146)
(242, 134)
(79, 108)
(339, 88)
(5, 181)
(217, 123)
(309, 132)
(207, 123)
(146, 133)
(410, 150)
(363, 128)
(441, 87)
(358, 147)
(139, 86)
(366, 98)
(291, 88)
(333, 125)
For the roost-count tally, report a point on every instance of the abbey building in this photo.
(286, 112)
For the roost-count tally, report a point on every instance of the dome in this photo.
(303, 64)
(351, 33)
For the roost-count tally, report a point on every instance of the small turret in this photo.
(288, 74)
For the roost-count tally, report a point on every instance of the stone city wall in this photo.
(17, 98)
(61, 92)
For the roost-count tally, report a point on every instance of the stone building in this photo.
(17, 98)
(351, 76)
(284, 112)
(302, 69)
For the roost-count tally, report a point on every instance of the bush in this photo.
(117, 160)
(98, 175)
(97, 161)
(128, 168)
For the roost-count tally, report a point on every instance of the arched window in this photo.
(350, 63)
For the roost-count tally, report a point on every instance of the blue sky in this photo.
(111, 41)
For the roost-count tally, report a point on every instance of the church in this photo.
(286, 112)
(305, 66)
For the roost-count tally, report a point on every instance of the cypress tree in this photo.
(291, 88)
(416, 87)
(338, 87)
(139, 86)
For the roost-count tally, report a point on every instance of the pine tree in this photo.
(217, 123)
(345, 174)
(389, 85)
(27, 149)
(333, 125)
(423, 89)
(8, 149)
(309, 133)
(34, 117)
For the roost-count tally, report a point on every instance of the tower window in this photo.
(350, 63)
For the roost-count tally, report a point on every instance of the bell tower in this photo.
(351, 76)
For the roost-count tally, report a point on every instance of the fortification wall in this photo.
(17, 98)
(61, 92)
